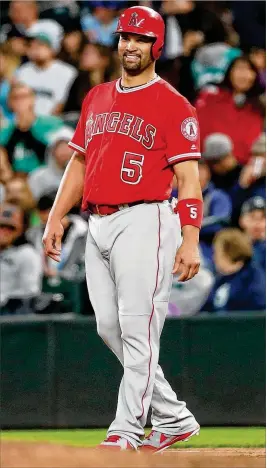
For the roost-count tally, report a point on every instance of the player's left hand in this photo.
(187, 261)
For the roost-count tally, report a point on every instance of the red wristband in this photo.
(190, 211)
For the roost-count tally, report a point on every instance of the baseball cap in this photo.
(254, 203)
(10, 215)
(216, 146)
(47, 31)
(42, 37)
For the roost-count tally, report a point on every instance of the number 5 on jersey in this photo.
(131, 169)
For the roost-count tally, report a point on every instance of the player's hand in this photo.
(52, 239)
(187, 261)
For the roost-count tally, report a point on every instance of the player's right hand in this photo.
(52, 239)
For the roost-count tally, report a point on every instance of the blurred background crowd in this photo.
(51, 54)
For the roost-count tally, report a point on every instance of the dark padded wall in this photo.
(56, 372)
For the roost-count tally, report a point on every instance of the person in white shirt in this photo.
(48, 77)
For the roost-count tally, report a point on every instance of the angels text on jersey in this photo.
(121, 123)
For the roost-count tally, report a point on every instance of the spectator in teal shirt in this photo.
(26, 137)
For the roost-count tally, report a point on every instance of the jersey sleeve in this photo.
(182, 133)
(78, 140)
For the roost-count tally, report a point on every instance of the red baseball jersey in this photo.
(131, 138)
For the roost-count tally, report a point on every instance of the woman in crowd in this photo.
(95, 67)
(234, 108)
(72, 44)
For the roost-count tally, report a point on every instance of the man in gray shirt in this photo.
(20, 263)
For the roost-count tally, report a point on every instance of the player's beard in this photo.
(136, 67)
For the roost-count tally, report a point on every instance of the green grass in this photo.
(209, 437)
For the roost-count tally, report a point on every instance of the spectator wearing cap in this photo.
(234, 108)
(100, 25)
(218, 154)
(71, 266)
(47, 179)
(252, 179)
(240, 281)
(211, 62)
(253, 222)
(26, 137)
(217, 210)
(48, 77)
(20, 263)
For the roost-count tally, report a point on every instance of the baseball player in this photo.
(133, 136)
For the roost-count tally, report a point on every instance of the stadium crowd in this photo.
(51, 54)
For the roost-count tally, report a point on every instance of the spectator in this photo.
(192, 16)
(95, 68)
(49, 78)
(250, 21)
(47, 179)
(65, 12)
(71, 266)
(8, 64)
(25, 20)
(218, 154)
(187, 298)
(211, 62)
(100, 25)
(232, 107)
(253, 222)
(258, 57)
(21, 265)
(240, 282)
(6, 172)
(72, 45)
(213, 58)
(18, 192)
(26, 137)
(15, 40)
(217, 210)
(252, 180)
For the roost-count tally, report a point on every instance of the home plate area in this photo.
(47, 455)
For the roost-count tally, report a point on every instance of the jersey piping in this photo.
(78, 148)
(136, 88)
(185, 155)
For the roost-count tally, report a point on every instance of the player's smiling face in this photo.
(135, 52)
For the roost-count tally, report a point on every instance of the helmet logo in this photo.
(134, 21)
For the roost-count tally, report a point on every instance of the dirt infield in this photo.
(45, 455)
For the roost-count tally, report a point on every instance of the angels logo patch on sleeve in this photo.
(189, 128)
